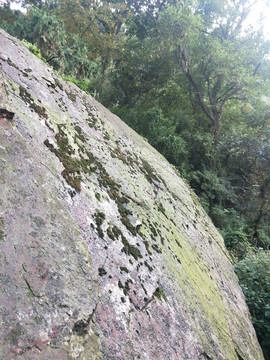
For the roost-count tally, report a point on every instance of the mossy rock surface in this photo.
(105, 251)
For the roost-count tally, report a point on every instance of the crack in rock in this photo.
(4, 113)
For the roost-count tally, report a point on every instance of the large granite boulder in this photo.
(105, 252)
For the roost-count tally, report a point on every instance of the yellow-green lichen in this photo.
(87, 346)
(201, 289)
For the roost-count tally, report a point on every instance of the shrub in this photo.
(34, 49)
(254, 276)
(237, 243)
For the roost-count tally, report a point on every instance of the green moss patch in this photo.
(12, 64)
(92, 122)
(113, 189)
(128, 225)
(153, 230)
(99, 217)
(117, 153)
(147, 247)
(58, 84)
(126, 287)
(27, 98)
(130, 249)
(107, 181)
(162, 209)
(2, 229)
(156, 248)
(79, 134)
(159, 294)
(72, 97)
(85, 162)
(81, 327)
(114, 232)
(149, 172)
(123, 268)
(71, 166)
(102, 271)
(148, 266)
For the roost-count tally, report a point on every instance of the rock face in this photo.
(105, 252)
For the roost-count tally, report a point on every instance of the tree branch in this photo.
(185, 67)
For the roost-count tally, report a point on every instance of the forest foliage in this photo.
(191, 76)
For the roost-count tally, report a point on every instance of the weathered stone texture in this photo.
(105, 252)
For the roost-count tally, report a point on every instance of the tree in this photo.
(218, 56)
(99, 24)
(67, 53)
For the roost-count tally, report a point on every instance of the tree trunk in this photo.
(217, 129)
(263, 191)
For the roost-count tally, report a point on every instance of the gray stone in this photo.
(105, 252)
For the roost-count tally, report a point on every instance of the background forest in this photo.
(193, 78)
